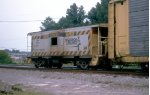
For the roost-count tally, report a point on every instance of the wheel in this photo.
(59, 64)
(83, 65)
(36, 65)
(145, 66)
(47, 64)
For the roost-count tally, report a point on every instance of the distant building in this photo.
(19, 57)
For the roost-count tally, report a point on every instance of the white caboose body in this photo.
(82, 45)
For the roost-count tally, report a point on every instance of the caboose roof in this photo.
(77, 29)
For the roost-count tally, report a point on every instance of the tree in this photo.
(48, 24)
(75, 15)
(99, 13)
(72, 14)
(63, 23)
(104, 11)
(4, 57)
(15, 51)
(92, 16)
(81, 15)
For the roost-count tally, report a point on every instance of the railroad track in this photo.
(73, 69)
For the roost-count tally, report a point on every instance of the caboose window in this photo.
(54, 41)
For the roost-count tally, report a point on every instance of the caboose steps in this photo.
(94, 61)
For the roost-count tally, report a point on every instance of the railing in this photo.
(102, 46)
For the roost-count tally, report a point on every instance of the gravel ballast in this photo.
(62, 83)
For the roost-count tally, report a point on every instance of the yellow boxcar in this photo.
(128, 25)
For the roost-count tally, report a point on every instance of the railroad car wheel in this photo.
(83, 65)
(36, 65)
(145, 66)
(48, 65)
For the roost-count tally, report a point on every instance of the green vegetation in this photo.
(17, 89)
(99, 13)
(76, 16)
(5, 58)
(25, 93)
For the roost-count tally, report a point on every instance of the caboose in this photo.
(81, 45)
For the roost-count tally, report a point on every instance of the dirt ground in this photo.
(60, 83)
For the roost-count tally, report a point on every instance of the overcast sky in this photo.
(13, 35)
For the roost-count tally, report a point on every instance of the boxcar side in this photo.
(128, 31)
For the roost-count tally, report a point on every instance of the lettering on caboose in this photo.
(71, 41)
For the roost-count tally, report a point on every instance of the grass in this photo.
(17, 90)
(25, 93)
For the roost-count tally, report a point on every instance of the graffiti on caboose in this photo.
(71, 41)
(76, 43)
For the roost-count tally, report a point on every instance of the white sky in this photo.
(13, 35)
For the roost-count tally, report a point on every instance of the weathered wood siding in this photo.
(139, 27)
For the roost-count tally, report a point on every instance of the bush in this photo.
(5, 58)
